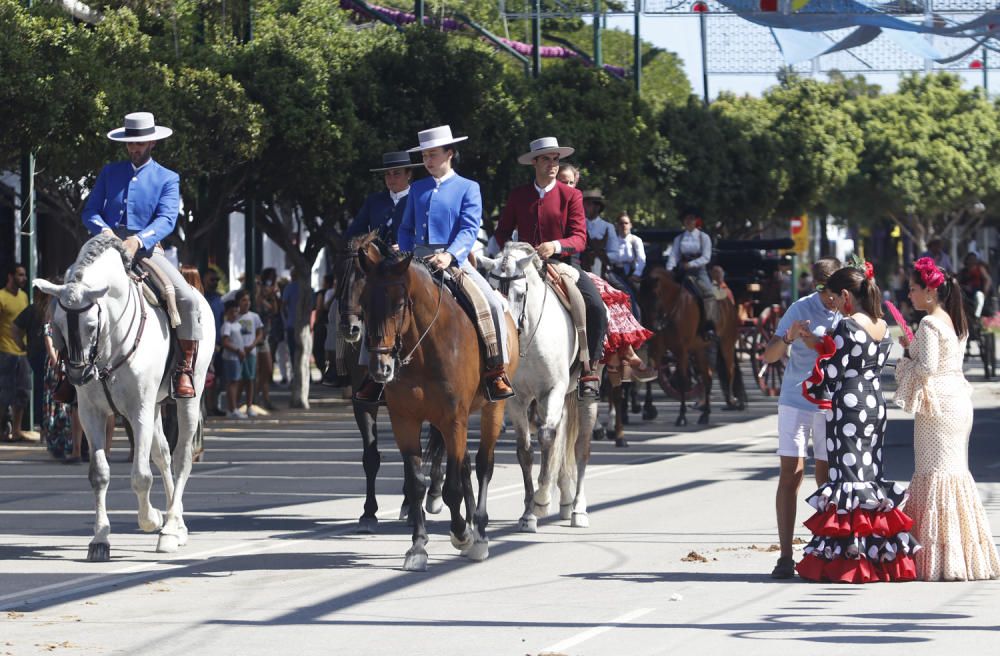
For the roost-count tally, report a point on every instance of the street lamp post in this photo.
(701, 8)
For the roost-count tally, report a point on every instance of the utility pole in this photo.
(29, 239)
(637, 48)
(250, 209)
(701, 8)
(536, 38)
(418, 11)
(598, 47)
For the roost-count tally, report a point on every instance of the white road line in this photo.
(597, 630)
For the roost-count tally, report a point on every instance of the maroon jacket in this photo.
(557, 217)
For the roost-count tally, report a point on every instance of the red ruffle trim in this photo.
(859, 522)
(614, 342)
(826, 348)
(860, 570)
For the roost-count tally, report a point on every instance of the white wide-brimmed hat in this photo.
(544, 146)
(140, 126)
(397, 160)
(434, 138)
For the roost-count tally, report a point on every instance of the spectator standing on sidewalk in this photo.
(799, 421)
(15, 373)
(29, 333)
(252, 334)
(232, 358)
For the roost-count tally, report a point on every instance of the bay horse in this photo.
(545, 385)
(673, 313)
(350, 327)
(425, 349)
(120, 357)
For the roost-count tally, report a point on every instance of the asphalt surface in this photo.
(676, 560)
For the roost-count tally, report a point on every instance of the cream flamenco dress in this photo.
(949, 519)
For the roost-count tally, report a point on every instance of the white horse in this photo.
(545, 386)
(119, 358)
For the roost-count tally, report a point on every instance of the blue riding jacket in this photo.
(447, 215)
(380, 214)
(143, 202)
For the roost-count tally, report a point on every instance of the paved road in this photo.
(676, 559)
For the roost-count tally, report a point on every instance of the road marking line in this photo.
(598, 630)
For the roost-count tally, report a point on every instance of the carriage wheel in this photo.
(768, 376)
(670, 383)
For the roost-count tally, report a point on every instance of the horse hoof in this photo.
(580, 520)
(539, 510)
(681, 421)
(168, 543)
(565, 510)
(416, 560)
(703, 420)
(154, 524)
(621, 443)
(404, 512)
(528, 524)
(99, 552)
(478, 552)
(636, 409)
(367, 525)
(599, 434)
(464, 543)
(434, 504)
(649, 413)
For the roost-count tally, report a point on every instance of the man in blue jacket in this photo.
(383, 210)
(138, 201)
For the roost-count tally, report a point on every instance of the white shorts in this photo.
(795, 429)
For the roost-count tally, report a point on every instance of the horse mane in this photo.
(95, 247)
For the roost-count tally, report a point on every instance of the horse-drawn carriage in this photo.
(754, 277)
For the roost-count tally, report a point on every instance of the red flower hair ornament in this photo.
(929, 272)
(869, 270)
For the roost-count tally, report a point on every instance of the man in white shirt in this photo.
(629, 263)
(598, 228)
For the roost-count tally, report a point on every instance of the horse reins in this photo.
(73, 323)
(504, 283)
(375, 333)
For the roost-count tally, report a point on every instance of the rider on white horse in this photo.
(548, 214)
(138, 201)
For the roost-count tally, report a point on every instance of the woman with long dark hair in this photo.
(860, 534)
(948, 515)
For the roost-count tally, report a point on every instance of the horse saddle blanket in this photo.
(158, 289)
(557, 276)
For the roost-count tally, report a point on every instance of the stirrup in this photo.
(490, 378)
(589, 387)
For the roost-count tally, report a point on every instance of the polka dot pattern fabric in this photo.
(860, 533)
(949, 519)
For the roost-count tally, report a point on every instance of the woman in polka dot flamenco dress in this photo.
(860, 535)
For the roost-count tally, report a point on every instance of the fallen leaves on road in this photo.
(799, 541)
(14, 615)
(694, 557)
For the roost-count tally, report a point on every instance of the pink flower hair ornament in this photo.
(929, 272)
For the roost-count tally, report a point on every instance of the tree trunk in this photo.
(301, 372)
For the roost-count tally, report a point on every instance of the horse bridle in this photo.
(375, 330)
(503, 286)
(73, 326)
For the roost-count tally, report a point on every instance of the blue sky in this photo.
(681, 34)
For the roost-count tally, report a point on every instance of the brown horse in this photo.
(350, 327)
(424, 347)
(673, 313)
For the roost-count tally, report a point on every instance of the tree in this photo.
(929, 156)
